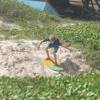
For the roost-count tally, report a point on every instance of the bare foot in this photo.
(56, 64)
(47, 58)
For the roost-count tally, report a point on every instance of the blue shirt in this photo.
(55, 43)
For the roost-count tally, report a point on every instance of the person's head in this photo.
(52, 37)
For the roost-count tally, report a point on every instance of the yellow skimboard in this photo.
(48, 62)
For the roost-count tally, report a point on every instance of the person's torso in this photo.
(56, 42)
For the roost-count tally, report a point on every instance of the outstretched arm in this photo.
(42, 42)
(45, 40)
(65, 45)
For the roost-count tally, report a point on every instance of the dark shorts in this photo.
(56, 47)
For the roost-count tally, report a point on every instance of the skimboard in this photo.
(48, 62)
(51, 65)
(56, 68)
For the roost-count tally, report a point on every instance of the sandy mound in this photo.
(21, 58)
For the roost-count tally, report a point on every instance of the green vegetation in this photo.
(85, 86)
(20, 12)
(87, 36)
(12, 9)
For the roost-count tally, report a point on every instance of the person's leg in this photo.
(55, 56)
(47, 52)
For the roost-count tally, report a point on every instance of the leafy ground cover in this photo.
(20, 12)
(87, 35)
(85, 86)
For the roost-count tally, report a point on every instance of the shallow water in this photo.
(34, 4)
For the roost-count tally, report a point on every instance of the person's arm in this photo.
(45, 40)
(64, 45)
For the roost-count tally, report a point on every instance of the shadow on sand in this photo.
(70, 67)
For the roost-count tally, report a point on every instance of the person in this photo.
(55, 43)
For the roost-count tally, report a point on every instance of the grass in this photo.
(11, 8)
(83, 86)
(87, 36)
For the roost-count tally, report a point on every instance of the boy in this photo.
(54, 43)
